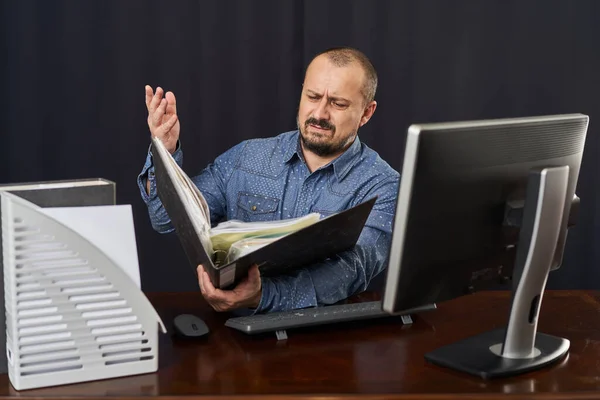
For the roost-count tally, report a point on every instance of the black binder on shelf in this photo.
(58, 193)
(316, 242)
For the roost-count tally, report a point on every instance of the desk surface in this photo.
(373, 359)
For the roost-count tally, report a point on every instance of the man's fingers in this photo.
(208, 286)
(219, 300)
(200, 271)
(217, 295)
(159, 113)
(170, 110)
(172, 102)
(155, 100)
(149, 94)
(169, 124)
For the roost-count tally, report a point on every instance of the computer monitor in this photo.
(482, 202)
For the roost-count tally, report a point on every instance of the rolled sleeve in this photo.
(158, 216)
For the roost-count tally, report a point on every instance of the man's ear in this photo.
(368, 112)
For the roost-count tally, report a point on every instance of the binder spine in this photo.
(72, 315)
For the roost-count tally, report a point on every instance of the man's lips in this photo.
(318, 127)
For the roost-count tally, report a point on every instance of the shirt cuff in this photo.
(286, 293)
(147, 173)
(266, 290)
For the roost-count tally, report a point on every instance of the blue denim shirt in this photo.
(268, 179)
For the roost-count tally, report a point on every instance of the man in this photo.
(321, 167)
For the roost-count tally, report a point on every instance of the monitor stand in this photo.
(519, 348)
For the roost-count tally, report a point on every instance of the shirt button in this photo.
(253, 208)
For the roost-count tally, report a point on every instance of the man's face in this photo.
(332, 107)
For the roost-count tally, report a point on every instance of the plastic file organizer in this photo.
(72, 312)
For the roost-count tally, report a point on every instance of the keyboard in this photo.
(279, 321)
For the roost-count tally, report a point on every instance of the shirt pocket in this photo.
(256, 207)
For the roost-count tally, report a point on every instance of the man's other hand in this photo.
(162, 117)
(246, 294)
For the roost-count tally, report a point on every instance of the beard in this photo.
(317, 142)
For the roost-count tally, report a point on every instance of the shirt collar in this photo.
(293, 148)
(341, 165)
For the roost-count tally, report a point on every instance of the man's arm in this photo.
(341, 276)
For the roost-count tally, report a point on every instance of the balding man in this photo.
(320, 167)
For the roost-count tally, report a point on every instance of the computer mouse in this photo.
(189, 326)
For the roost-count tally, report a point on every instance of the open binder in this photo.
(311, 240)
(73, 313)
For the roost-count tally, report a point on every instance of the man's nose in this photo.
(322, 110)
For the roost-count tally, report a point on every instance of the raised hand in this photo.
(162, 117)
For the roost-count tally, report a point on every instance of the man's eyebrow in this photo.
(339, 99)
(334, 98)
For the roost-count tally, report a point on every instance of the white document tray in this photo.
(72, 314)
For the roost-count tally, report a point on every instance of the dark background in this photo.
(73, 76)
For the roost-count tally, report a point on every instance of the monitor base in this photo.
(475, 356)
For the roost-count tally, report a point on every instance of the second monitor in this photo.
(470, 192)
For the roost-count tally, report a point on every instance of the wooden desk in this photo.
(375, 359)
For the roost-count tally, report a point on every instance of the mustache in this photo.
(321, 123)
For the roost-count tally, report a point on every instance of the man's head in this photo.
(337, 98)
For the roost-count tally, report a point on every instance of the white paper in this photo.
(110, 228)
(189, 194)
